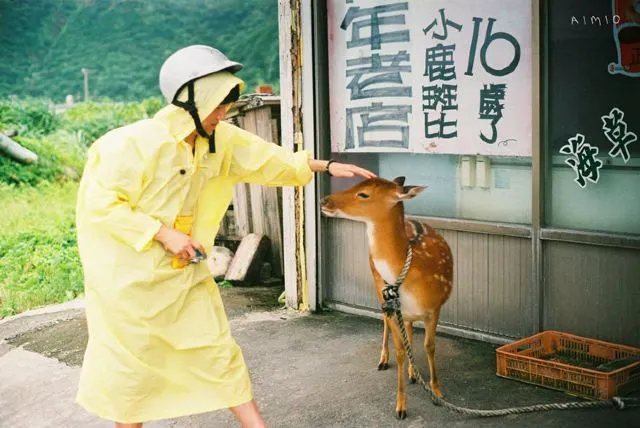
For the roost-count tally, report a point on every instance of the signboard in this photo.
(626, 27)
(431, 76)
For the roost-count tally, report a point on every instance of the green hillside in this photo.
(46, 43)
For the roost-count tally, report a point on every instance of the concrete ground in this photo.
(307, 371)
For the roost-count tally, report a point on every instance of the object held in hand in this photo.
(199, 257)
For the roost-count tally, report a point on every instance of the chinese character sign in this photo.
(583, 160)
(615, 129)
(583, 156)
(439, 76)
(372, 66)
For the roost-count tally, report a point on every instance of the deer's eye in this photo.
(363, 195)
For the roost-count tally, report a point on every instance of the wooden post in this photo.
(264, 206)
(290, 110)
(272, 218)
(242, 210)
(241, 202)
(85, 71)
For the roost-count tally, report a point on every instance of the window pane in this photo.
(456, 186)
(594, 112)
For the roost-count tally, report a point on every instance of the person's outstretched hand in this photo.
(346, 170)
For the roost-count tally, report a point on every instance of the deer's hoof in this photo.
(401, 414)
(413, 377)
(383, 366)
(436, 390)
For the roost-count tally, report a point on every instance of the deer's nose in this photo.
(324, 202)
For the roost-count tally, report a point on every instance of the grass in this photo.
(39, 262)
(225, 284)
(60, 158)
(38, 253)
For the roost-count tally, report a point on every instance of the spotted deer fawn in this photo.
(379, 204)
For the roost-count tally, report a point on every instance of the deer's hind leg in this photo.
(431, 322)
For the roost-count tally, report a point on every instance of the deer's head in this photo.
(369, 200)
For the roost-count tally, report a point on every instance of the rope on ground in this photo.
(619, 403)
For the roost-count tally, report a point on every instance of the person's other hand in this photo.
(179, 244)
(346, 170)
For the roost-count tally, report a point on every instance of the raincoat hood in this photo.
(209, 92)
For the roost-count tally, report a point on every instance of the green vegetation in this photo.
(60, 140)
(39, 261)
(46, 43)
(93, 119)
(38, 254)
(225, 284)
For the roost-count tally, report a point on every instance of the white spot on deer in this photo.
(384, 270)
(370, 233)
(410, 308)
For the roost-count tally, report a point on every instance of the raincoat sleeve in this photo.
(254, 160)
(115, 176)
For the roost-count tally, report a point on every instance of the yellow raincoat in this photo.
(159, 341)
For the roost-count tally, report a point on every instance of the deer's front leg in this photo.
(401, 400)
(383, 364)
(384, 354)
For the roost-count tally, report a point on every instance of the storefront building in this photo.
(522, 117)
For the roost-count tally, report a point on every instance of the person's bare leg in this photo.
(248, 415)
(138, 425)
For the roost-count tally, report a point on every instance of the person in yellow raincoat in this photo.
(153, 194)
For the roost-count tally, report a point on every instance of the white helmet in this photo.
(191, 63)
(182, 68)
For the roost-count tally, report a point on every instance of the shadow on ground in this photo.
(321, 371)
(65, 340)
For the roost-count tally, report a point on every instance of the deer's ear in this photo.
(399, 181)
(410, 192)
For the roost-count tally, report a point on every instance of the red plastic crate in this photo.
(522, 361)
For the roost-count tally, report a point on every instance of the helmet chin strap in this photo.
(190, 106)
